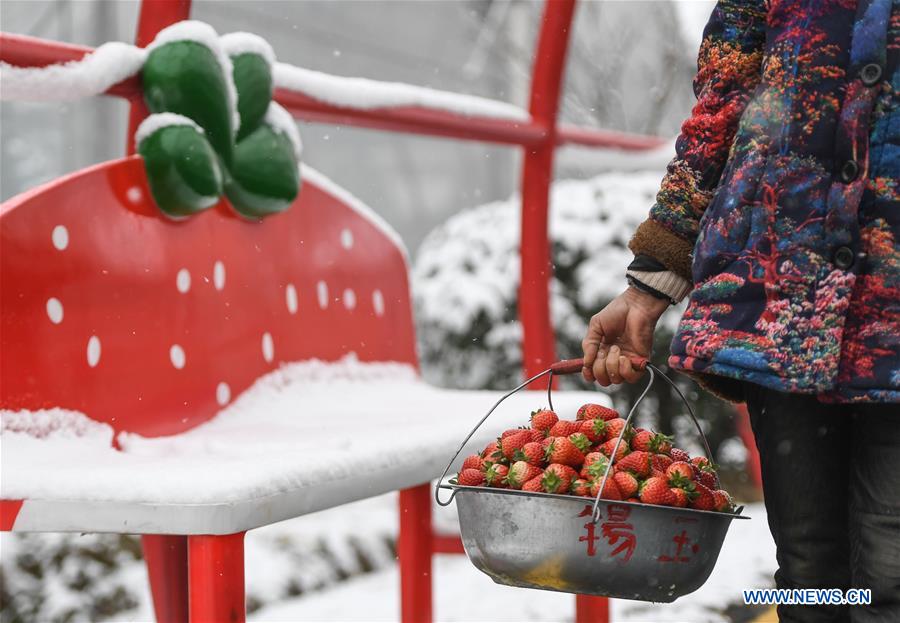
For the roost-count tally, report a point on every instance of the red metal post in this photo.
(538, 348)
(589, 609)
(216, 566)
(154, 16)
(167, 567)
(414, 548)
(447, 544)
(754, 467)
(538, 343)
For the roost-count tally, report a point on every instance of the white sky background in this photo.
(694, 15)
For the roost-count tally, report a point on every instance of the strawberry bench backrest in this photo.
(153, 325)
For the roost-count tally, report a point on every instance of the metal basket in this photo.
(592, 547)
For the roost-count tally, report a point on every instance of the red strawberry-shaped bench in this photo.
(208, 376)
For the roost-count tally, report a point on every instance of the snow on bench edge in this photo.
(346, 197)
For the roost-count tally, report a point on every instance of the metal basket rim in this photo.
(578, 499)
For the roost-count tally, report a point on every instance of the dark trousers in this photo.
(831, 479)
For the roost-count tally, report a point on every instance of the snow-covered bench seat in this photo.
(309, 436)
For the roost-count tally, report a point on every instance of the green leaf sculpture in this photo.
(182, 168)
(223, 133)
(265, 178)
(187, 77)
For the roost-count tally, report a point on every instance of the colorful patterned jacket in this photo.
(782, 204)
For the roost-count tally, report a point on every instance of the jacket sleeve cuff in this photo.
(671, 250)
(672, 285)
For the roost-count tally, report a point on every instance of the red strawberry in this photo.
(470, 478)
(704, 500)
(636, 462)
(562, 450)
(661, 443)
(590, 459)
(563, 428)
(679, 472)
(598, 469)
(535, 484)
(543, 419)
(656, 491)
(536, 435)
(641, 440)
(636, 500)
(627, 484)
(532, 452)
(656, 473)
(474, 461)
(581, 442)
(610, 489)
(661, 462)
(651, 442)
(607, 446)
(521, 472)
(511, 443)
(595, 430)
(558, 478)
(700, 461)
(614, 429)
(681, 497)
(582, 487)
(591, 411)
(722, 501)
(492, 453)
(678, 454)
(509, 432)
(545, 443)
(708, 478)
(496, 475)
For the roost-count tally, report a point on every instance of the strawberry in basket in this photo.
(561, 456)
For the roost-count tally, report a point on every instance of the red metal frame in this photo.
(414, 549)
(538, 341)
(167, 567)
(216, 567)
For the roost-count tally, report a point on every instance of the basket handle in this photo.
(437, 494)
(572, 366)
(654, 371)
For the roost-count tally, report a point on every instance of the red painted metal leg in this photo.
(216, 566)
(538, 344)
(167, 568)
(754, 469)
(589, 609)
(414, 546)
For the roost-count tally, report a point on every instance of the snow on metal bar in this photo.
(33, 69)
(367, 94)
(94, 74)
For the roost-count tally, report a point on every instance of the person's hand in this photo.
(621, 330)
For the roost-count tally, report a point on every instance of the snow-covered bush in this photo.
(465, 286)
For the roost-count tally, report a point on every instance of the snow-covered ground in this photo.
(279, 563)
